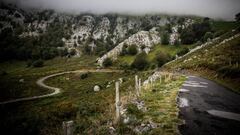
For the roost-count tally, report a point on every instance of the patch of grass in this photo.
(169, 49)
(162, 106)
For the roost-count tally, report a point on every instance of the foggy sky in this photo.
(223, 9)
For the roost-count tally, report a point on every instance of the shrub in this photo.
(207, 36)
(162, 58)
(165, 38)
(87, 49)
(132, 50)
(187, 36)
(84, 75)
(107, 62)
(195, 32)
(183, 51)
(140, 62)
(49, 53)
(237, 17)
(38, 63)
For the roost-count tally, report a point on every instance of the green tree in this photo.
(165, 38)
(132, 50)
(38, 63)
(87, 49)
(140, 62)
(162, 58)
(237, 17)
(107, 62)
(183, 51)
(208, 35)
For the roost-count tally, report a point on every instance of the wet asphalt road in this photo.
(199, 95)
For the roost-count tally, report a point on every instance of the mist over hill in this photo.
(223, 9)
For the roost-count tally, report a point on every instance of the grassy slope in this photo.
(11, 88)
(169, 49)
(218, 63)
(78, 102)
(90, 110)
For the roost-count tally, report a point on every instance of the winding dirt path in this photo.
(40, 82)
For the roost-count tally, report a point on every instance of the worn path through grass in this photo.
(40, 82)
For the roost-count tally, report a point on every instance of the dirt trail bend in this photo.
(40, 82)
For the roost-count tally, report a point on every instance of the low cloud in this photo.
(223, 9)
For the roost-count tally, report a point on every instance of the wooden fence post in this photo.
(117, 103)
(139, 85)
(136, 85)
(67, 127)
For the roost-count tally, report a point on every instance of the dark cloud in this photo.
(224, 9)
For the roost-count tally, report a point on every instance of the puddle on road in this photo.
(183, 90)
(183, 102)
(223, 114)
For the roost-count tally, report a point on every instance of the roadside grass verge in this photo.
(162, 106)
(160, 101)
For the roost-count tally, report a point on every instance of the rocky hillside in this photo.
(95, 34)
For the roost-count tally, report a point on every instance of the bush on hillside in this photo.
(140, 62)
(165, 38)
(195, 32)
(132, 50)
(162, 58)
(87, 49)
(237, 17)
(183, 51)
(38, 63)
(84, 75)
(107, 62)
(207, 36)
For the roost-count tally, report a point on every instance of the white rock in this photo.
(21, 80)
(96, 88)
